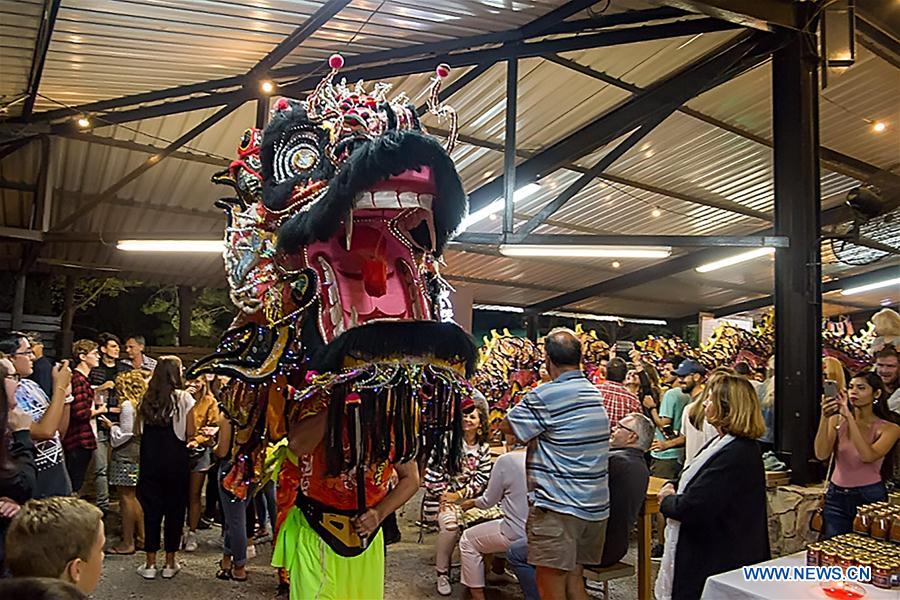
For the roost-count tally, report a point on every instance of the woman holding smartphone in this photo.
(855, 428)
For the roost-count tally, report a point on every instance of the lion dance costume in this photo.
(344, 205)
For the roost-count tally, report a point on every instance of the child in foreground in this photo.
(60, 538)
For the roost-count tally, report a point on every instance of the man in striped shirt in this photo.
(567, 431)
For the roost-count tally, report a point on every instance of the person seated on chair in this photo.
(628, 477)
(507, 486)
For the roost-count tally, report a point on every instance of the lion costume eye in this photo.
(297, 154)
(304, 158)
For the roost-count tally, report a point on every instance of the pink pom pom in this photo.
(352, 398)
(310, 375)
(336, 61)
(281, 104)
(443, 70)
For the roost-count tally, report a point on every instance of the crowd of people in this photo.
(563, 495)
(73, 430)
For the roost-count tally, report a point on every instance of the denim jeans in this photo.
(101, 466)
(234, 521)
(841, 504)
(265, 506)
(517, 557)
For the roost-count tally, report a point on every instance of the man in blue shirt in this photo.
(567, 431)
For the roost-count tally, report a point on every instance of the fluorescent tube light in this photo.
(499, 308)
(736, 259)
(582, 251)
(871, 286)
(604, 318)
(497, 206)
(209, 246)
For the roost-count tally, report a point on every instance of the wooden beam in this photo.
(19, 233)
(14, 146)
(21, 186)
(154, 160)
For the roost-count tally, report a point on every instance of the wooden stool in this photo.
(607, 574)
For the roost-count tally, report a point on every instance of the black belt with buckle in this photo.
(333, 525)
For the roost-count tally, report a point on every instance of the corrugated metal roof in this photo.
(194, 40)
(861, 94)
(20, 21)
(104, 49)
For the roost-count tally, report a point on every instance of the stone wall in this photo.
(790, 510)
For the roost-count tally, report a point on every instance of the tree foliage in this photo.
(210, 315)
(89, 290)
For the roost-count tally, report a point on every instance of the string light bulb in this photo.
(83, 122)
(616, 264)
(656, 213)
(267, 87)
(879, 126)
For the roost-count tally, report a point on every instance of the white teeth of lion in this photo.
(337, 316)
(354, 317)
(388, 199)
(348, 228)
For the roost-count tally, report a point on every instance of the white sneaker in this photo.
(251, 551)
(443, 585)
(147, 572)
(170, 572)
(190, 542)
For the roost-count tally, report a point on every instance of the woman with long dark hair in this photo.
(18, 474)
(857, 428)
(166, 423)
(445, 490)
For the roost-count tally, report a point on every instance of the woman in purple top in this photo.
(856, 429)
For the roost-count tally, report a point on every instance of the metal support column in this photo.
(262, 112)
(30, 253)
(509, 145)
(798, 294)
(67, 335)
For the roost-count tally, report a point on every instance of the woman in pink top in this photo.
(855, 428)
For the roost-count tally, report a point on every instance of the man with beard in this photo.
(669, 454)
(887, 365)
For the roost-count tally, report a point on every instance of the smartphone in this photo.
(830, 388)
(623, 350)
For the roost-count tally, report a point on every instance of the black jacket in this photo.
(628, 476)
(18, 481)
(723, 518)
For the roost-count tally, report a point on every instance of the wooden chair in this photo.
(619, 570)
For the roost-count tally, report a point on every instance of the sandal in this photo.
(235, 577)
(120, 551)
(223, 573)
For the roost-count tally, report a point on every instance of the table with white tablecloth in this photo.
(731, 585)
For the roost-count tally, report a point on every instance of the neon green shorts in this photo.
(318, 573)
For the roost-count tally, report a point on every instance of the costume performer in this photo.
(344, 344)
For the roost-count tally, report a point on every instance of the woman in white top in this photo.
(507, 486)
(166, 421)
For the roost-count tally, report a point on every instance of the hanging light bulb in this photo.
(879, 126)
(656, 213)
(83, 122)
